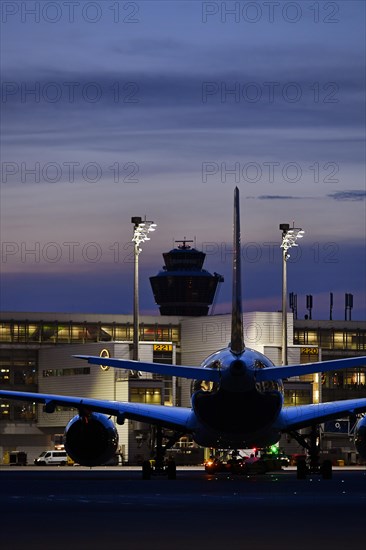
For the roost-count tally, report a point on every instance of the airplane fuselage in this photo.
(237, 411)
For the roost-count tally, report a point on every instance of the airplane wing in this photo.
(296, 417)
(196, 373)
(170, 417)
(275, 373)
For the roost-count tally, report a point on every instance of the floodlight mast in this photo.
(289, 237)
(140, 234)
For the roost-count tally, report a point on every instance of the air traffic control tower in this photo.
(183, 287)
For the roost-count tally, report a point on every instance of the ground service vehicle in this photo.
(51, 458)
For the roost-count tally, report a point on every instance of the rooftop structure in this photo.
(183, 287)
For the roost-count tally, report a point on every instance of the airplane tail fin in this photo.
(237, 345)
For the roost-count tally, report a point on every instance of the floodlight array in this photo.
(141, 231)
(289, 238)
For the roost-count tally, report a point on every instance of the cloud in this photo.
(356, 195)
(151, 118)
(275, 197)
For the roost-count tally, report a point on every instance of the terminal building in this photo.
(36, 352)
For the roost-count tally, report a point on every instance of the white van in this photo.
(51, 458)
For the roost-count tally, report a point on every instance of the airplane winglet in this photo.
(237, 345)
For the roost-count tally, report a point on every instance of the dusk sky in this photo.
(118, 109)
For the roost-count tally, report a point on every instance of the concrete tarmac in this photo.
(113, 508)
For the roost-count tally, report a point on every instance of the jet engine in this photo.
(360, 437)
(91, 439)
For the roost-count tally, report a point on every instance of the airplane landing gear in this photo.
(161, 466)
(311, 443)
(146, 469)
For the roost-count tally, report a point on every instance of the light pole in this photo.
(140, 235)
(289, 237)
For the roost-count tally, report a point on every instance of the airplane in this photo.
(237, 402)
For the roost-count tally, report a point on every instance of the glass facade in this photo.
(337, 340)
(151, 396)
(18, 371)
(296, 396)
(18, 368)
(331, 338)
(166, 357)
(65, 372)
(18, 412)
(40, 332)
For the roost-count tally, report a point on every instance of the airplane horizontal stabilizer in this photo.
(277, 373)
(195, 373)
